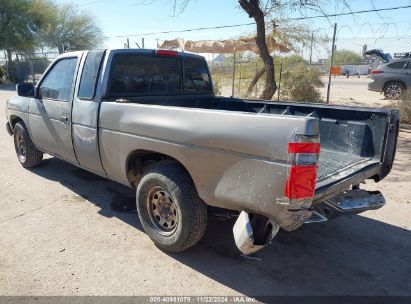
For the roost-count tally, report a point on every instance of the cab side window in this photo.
(90, 74)
(58, 83)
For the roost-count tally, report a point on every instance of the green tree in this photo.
(21, 22)
(70, 30)
(343, 57)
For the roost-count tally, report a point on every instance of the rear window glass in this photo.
(196, 77)
(89, 75)
(164, 74)
(397, 65)
(134, 75)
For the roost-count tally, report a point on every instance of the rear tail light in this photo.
(303, 158)
(376, 72)
(168, 53)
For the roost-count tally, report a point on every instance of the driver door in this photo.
(50, 111)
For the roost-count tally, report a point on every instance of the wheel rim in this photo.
(20, 147)
(162, 210)
(394, 91)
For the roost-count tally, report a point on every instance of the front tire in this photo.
(170, 210)
(27, 153)
(394, 90)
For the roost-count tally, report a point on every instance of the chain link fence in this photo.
(300, 75)
(28, 70)
(25, 68)
(297, 76)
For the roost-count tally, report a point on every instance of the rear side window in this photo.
(90, 74)
(133, 75)
(397, 65)
(196, 77)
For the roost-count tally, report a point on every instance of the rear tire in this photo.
(27, 153)
(170, 210)
(394, 90)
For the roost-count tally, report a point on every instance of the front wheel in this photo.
(26, 151)
(169, 208)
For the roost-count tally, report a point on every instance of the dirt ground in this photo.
(64, 231)
(353, 91)
(345, 91)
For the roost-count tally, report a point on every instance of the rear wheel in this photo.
(27, 153)
(169, 208)
(394, 90)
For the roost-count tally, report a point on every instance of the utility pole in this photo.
(311, 48)
(279, 82)
(331, 64)
(232, 84)
(142, 42)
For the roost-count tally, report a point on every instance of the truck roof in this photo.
(144, 51)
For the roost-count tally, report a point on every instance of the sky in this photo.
(136, 18)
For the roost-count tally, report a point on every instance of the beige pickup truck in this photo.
(149, 119)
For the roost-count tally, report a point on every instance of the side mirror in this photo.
(25, 90)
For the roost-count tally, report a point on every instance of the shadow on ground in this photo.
(348, 256)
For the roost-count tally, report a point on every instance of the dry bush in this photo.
(217, 87)
(404, 106)
(301, 83)
(2, 73)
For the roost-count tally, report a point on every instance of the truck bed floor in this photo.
(332, 162)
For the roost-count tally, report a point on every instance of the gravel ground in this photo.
(64, 231)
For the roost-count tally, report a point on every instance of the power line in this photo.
(183, 31)
(352, 13)
(91, 3)
(252, 23)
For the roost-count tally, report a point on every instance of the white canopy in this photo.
(222, 46)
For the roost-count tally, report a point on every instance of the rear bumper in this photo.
(348, 202)
(376, 85)
(8, 128)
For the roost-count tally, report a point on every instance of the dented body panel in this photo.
(230, 169)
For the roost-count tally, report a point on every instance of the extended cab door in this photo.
(86, 104)
(50, 111)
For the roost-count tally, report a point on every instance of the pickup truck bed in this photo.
(352, 139)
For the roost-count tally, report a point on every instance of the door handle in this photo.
(64, 120)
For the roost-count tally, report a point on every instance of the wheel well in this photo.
(139, 159)
(14, 120)
(391, 81)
